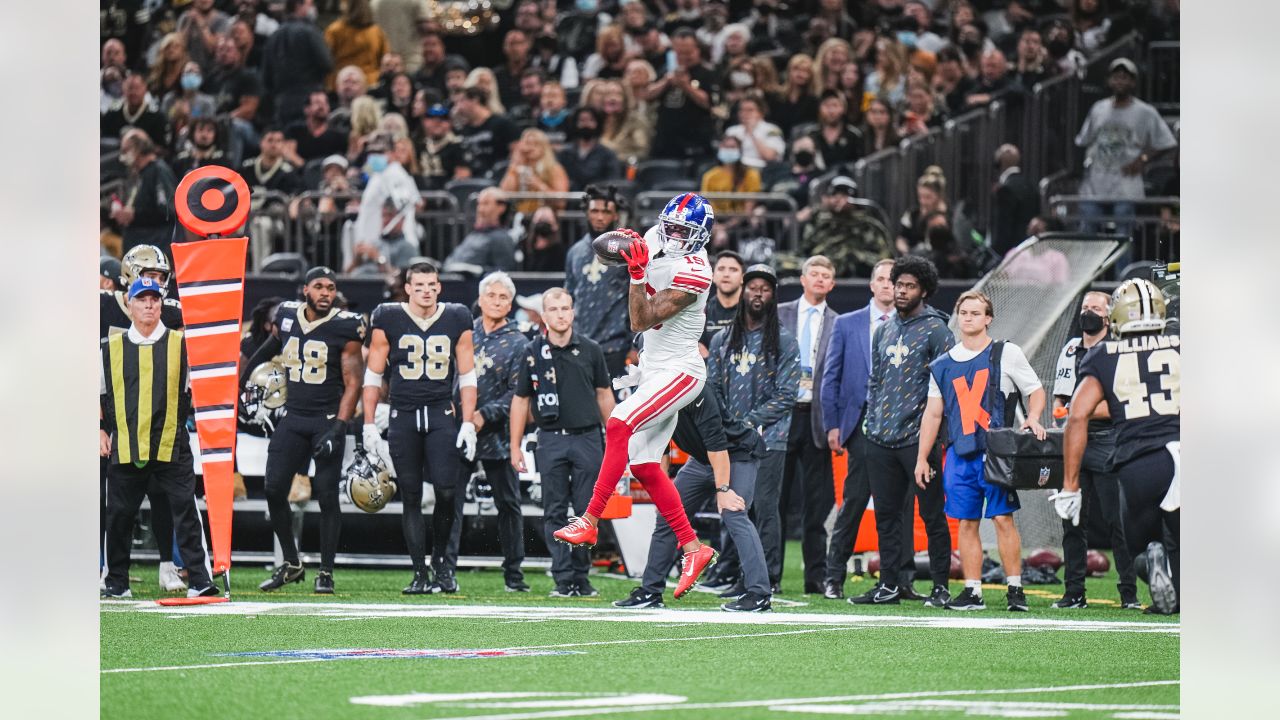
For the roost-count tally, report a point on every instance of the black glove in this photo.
(330, 443)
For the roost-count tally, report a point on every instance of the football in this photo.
(1045, 558)
(1097, 563)
(608, 247)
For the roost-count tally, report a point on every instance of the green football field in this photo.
(369, 652)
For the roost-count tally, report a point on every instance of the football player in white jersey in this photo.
(667, 300)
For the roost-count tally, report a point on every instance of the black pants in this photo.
(423, 445)
(893, 485)
(857, 493)
(288, 454)
(811, 467)
(1100, 492)
(568, 465)
(1144, 481)
(161, 515)
(506, 498)
(126, 485)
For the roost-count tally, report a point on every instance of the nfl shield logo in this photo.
(1044, 476)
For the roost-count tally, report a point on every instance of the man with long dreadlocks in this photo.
(754, 364)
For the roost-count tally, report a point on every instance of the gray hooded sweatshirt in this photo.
(901, 351)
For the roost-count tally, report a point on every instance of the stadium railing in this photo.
(773, 215)
(1152, 226)
(1163, 76)
(325, 237)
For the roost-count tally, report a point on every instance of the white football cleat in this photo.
(169, 578)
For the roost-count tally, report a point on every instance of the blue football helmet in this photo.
(685, 224)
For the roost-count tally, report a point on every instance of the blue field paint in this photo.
(396, 654)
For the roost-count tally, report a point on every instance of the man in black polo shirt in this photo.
(722, 307)
(566, 375)
(724, 457)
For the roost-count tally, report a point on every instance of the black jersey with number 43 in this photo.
(1141, 377)
(420, 364)
(312, 355)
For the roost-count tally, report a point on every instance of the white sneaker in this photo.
(169, 579)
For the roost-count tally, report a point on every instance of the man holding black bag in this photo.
(969, 387)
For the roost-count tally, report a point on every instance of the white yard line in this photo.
(785, 702)
(993, 621)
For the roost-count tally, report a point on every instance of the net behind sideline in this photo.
(1036, 293)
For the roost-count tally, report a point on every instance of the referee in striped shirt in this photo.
(146, 400)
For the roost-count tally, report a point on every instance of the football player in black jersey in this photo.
(423, 345)
(113, 317)
(142, 261)
(1139, 378)
(322, 348)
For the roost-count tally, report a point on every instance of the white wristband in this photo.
(467, 379)
(372, 379)
(641, 281)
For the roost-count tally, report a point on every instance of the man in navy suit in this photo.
(843, 394)
(810, 319)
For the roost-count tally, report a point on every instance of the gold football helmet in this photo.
(263, 396)
(368, 484)
(141, 259)
(1137, 306)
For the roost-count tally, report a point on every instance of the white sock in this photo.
(975, 586)
(1015, 581)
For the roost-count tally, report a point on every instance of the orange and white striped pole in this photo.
(212, 201)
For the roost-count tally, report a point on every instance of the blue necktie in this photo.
(806, 340)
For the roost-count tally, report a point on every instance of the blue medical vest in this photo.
(972, 401)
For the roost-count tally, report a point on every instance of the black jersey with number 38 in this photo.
(1141, 377)
(420, 363)
(312, 356)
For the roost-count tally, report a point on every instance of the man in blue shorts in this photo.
(962, 387)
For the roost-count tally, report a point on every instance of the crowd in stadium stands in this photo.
(357, 115)
(746, 96)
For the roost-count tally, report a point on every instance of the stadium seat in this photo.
(290, 264)
(674, 184)
(312, 173)
(1138, 269)
(651, 172)
(462, 190)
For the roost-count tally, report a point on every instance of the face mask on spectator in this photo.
(191, 81)
(376, 163)
(729, 156)
(587, 6)
(114, 88)
(1058, 48)
(312, 13)
(1091, 323)
(741, 79)
(804, 158)
(554, 119)
(126, 159)
(970, 46)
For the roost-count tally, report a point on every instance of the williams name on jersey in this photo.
(420, 360)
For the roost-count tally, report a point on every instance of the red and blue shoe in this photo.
(577, 532)
(694, 563)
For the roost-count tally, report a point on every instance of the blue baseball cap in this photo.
(438, 110)
(145, 285)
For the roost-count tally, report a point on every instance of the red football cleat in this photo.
(694, 563)
(577, 532)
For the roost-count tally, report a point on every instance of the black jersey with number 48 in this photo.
(1141, 377)
(420, 363)
(312, 355)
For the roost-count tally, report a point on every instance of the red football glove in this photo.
(637, 256)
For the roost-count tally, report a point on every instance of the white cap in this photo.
(334, 160)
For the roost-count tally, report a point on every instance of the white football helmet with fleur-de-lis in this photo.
(263, 396)
(141, 259)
